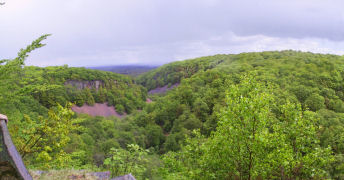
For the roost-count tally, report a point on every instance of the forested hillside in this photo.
(259, 115)
(80, 85)
(310, 85)
(38, 101)
(315, 81)
(172, 73)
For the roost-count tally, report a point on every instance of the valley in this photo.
(171, 90)
(173, 121)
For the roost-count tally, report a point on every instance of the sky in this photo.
(155, 32)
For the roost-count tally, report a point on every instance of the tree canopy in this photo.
(245, 116)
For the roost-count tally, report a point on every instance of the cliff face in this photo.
(95, 84)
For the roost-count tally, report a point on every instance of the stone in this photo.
(125, 177)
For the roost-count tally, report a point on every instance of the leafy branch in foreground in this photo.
(43, 140)
(23, 53)
(11, 70)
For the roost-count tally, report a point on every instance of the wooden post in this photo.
(11, 163)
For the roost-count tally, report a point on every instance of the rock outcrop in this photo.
(85, 84)
(163, 89)
(125, 177)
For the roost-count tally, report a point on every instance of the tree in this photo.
(154, 135)
(315, 102)
(39, 139)
(201, 109)
(123, 162)
(89, 97)
(79, 98)
(259, 145)
(242, 136)
(11, 71)
(251, 142)
(332, 134)
(119, 109)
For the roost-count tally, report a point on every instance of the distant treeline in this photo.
(131, 70)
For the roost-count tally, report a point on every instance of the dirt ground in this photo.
(97, 109)
(148, 100)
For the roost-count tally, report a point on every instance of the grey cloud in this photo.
(223, 44)
(155, 31)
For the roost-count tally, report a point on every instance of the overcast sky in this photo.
(154, 32)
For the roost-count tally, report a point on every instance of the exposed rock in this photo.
(96, 175)
(70, 174)
(100, 175)
(82, 176)
(125, 177)
(162, 89)
(148, 100)
(85, 84)
(97, 109)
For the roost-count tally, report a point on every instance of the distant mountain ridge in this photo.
(132, 70)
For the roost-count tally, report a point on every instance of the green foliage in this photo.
(98, 135)
(82, 86)
(315, 102)
(11, 72)
(283, 131)
(89, 97)
(186, 164)
(154, 136)
(123, 162)
(119, 108)
(244, 129)
(331, 134)
(174, 72)
(301, 81)
(40, 134)
(250, 142)
(42, 141)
